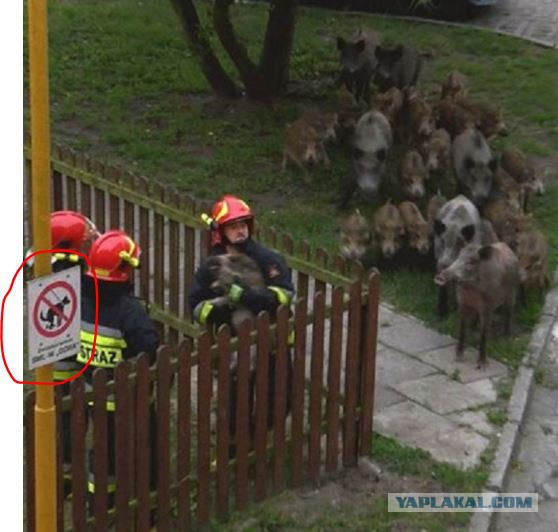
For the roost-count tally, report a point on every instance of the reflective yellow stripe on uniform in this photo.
(64, 369)
(202, 311)
(283, 296)
(110, 406)
(108, 347)
(70, 257)
(111, 486)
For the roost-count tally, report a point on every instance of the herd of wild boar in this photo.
(451, 205)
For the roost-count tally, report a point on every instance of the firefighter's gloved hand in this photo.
(235, 293)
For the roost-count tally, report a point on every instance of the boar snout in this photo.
(441, 279)
(416, 191)
(423, 248)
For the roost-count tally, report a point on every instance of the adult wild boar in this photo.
(474, 165)
(358, 62)
(457, 223)
(397, 67)
(372, 141)
(487, 278)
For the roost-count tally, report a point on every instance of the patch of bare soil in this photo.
(351, 493)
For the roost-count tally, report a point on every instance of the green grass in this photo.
(405, 460)
(497, 416)
(125, 89)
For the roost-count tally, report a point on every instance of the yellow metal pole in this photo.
(45, 419)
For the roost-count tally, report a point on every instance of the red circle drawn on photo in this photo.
(69, 379)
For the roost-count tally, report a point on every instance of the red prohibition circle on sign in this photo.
(69, 379)
(42, 298)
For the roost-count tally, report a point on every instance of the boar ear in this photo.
(468, 232)
(485, 252)
(359, 46)
(469, 163)
(493, 164)
(439, 227)
(341, 43)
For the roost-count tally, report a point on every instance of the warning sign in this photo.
(54, 317)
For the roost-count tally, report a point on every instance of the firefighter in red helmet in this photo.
(71, 231)
(232, 225)
(124, 327)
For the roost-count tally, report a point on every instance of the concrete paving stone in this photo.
(393, 367)
(411, 336)
(445, 360)
(550, 489)
(542, 521)
(476, 420)
(486, 388)
(385, 396)
(442, 394)
(414, 425)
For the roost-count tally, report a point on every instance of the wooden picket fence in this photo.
(334, 324)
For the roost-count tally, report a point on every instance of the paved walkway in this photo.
(425, 398)
(536, 20)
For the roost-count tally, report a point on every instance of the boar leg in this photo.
(327, 162)
(284, 162)
(346, 193)
(442, 301)
(485, 323)
(298, 164)
(462, 335)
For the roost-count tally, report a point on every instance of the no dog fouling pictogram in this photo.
(54, 317)
(55, 309)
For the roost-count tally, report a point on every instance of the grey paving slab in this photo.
(393, 367)
(476, 420)
(442, 394)
(411, 336)
(385, 397)
(466, 371)
(416, 426)
(545, 520)
(486, 388)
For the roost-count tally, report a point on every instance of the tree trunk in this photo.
(220, 81)
(274, 61)
(253, 82)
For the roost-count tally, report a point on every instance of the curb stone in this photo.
(517, 405)
(460, 25)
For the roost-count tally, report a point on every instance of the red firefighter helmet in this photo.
(113, 256)
(227, 210)
(71, 230)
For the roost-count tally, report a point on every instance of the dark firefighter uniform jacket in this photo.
(124, 331)
(277, 277)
